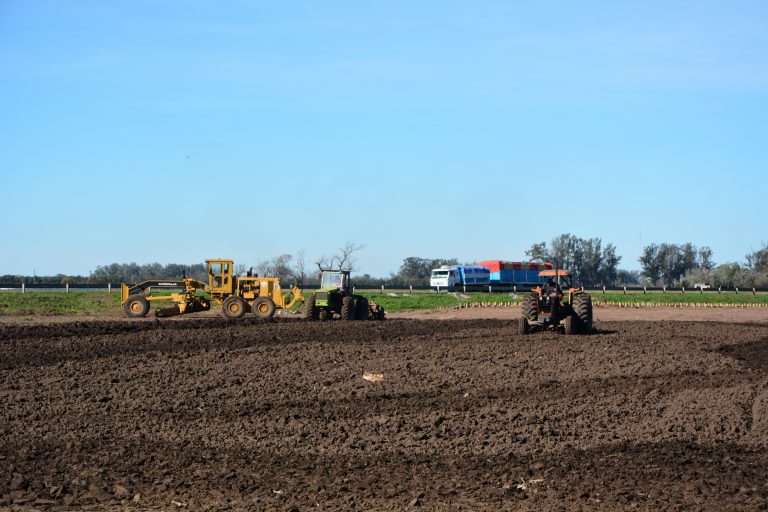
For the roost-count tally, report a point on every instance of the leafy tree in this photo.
(627, 277)
(591, 263)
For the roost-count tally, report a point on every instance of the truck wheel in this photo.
(136, 306)
(264, 308)
(362, 311)
(582, 307)
(523, 326)
(531, 307)
(233, 307)
(348, 308)
(310, 311)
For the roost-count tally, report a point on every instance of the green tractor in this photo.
(335, 299)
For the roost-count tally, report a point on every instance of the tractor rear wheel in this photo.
(348, 308)
(136, 306)
(531, 307)
(263, 308)
(523, 326)
(310, 311)
(233, 307)
(361, 308)
(582, 308)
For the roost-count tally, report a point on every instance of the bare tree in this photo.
(239, 269)
(344, 259)
(279, 266)
(300, 267)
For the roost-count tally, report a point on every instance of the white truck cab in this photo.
(444, 277)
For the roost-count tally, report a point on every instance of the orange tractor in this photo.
(547, 308)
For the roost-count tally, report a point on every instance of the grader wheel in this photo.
(136, 306)
(263, 308)
(233, 307)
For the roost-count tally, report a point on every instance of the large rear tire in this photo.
(348, 308)
(233, 307)
(362, 310)
(263, 308)
(136, 306)
(310, 311)
(531, 307)
(582, 308)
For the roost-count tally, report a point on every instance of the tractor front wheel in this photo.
(310, 311)
(263, 308)
(523, 326)
(233, 307)
(570, 325)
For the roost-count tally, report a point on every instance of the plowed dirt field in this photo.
(198, 414)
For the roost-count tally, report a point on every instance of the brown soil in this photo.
(605, 313)
(205, 413)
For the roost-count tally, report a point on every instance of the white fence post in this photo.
(382, 288)
(411, 288)
(23, 286)
(67, 285)
(109, 287)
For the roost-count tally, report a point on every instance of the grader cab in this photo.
(236, 294)
(549, 307)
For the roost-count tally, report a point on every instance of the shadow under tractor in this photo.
(546, 307)
(335, 299)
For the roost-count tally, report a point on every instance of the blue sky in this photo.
(173, 131)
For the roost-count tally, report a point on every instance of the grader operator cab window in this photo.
(219, 274)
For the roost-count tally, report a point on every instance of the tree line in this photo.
(593, 262)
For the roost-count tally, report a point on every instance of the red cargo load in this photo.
(493, 265)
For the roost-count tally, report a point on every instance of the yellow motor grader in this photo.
(546, 307)
(236, 294)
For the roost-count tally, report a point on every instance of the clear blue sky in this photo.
(172, 131)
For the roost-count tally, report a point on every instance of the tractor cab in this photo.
(335, 280)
